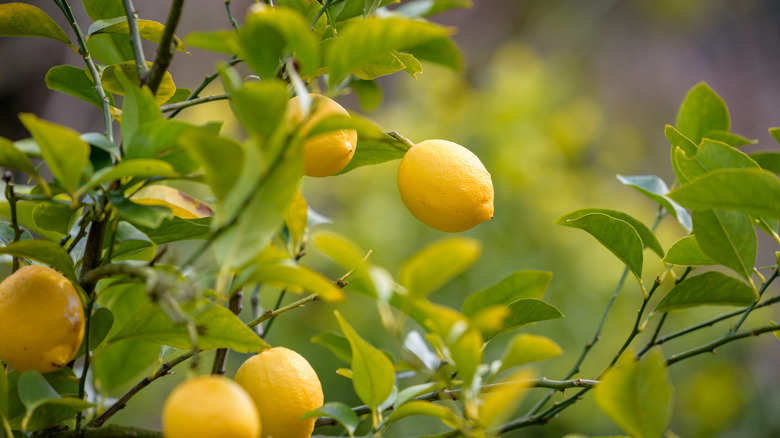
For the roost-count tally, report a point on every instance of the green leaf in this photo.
(365, 40)
(369, 93)
(523, 312)
(297, 278)
(728, 237)
(647, 236)
(174, 229)
(63, 151)
(99, 326)
(637, 396)
(129, 242)
(161, 139)
(35, 392)
(342, 251)
(42, 251)
(353, 8)
(682, 146)
(222, 329)
(526, 348)
(337, 344)
(411, 64)
(139, 168)
(260, 106)
(702, 111)
(768, 160)
(424, 408)
(146, 216)
(112, 82)
(261, 206)
(73, 81)
(616, 235)
(426, 8)
(711, 288)
(23, 20)
(438, 263)
(686, 252)
(147, 29)
(377, 66)
(109, 48)
(64, 382)
(729, 138)
(13, 158)
(370, 151)
(750, 191)
(222, 41)
(220, 157)
(713, 155)
(269, 33)
(442, 51)
(373, 375)
(516, 286)
(138, 107)
(52, 216)
(339, 412)
(655, 188)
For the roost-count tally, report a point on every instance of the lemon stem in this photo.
(405, 141)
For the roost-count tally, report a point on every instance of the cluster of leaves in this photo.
(105, 222)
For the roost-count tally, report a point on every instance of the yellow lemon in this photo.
(445, 186)
(284, 386)
(210, 407)
(327, 153)
(41, 320)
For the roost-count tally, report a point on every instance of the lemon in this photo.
(284, 386)
(327, 153)
(41, 320)
(210, 407)
(445, 186)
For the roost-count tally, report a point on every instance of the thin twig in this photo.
(752, 306)
(135, 39)
(165, 49)
(711, 346)
(233, 21)
(209, 79)
(220, 358)
(84, 52)
(178, 106)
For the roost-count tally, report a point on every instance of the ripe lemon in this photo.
(445, 186)
(210, 407)
(327, 153)
(41, 320)
(284, 386)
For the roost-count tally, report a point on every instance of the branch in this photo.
(8, 177)
(273, 313)
(178, 106)
(165, 50)
(135, 39)
(220, 358)
(209, 79)
(84, 52)
(542, 382)
(711, 346)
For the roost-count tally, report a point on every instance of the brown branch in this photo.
(113, 431)
(165, 50)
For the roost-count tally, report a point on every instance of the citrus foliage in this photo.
(111, 211)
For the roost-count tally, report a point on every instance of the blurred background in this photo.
(556, 98)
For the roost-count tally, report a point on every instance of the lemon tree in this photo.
(158, 244)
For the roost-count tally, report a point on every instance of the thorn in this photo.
(8, 176)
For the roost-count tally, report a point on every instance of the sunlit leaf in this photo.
(339, 412)
(222, 41)
(710, 288)
(686, 252)
(518, 285)
(501, 400)
(42, 251)
(438, 263)
(297, 278)
(337, 344)
(647, 236)
(728, 237)
(112, 83)
(701, 112)
(713, 155)
(23, 20)
(525, 348)
(365, 40)
(220, 157)
(637, 396)
(426, 8)
(617, 235)
(424, 408)
(73, 81)
(730, 138)
(523, 312)
(369, 93)
(145, 216)
(222, 329)
(147, 29)
(138, 107)
(181, 204)
(373, 375)
(139, 168)
(751, 191)
(655, 188)
(52, 216)
(64, 151)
